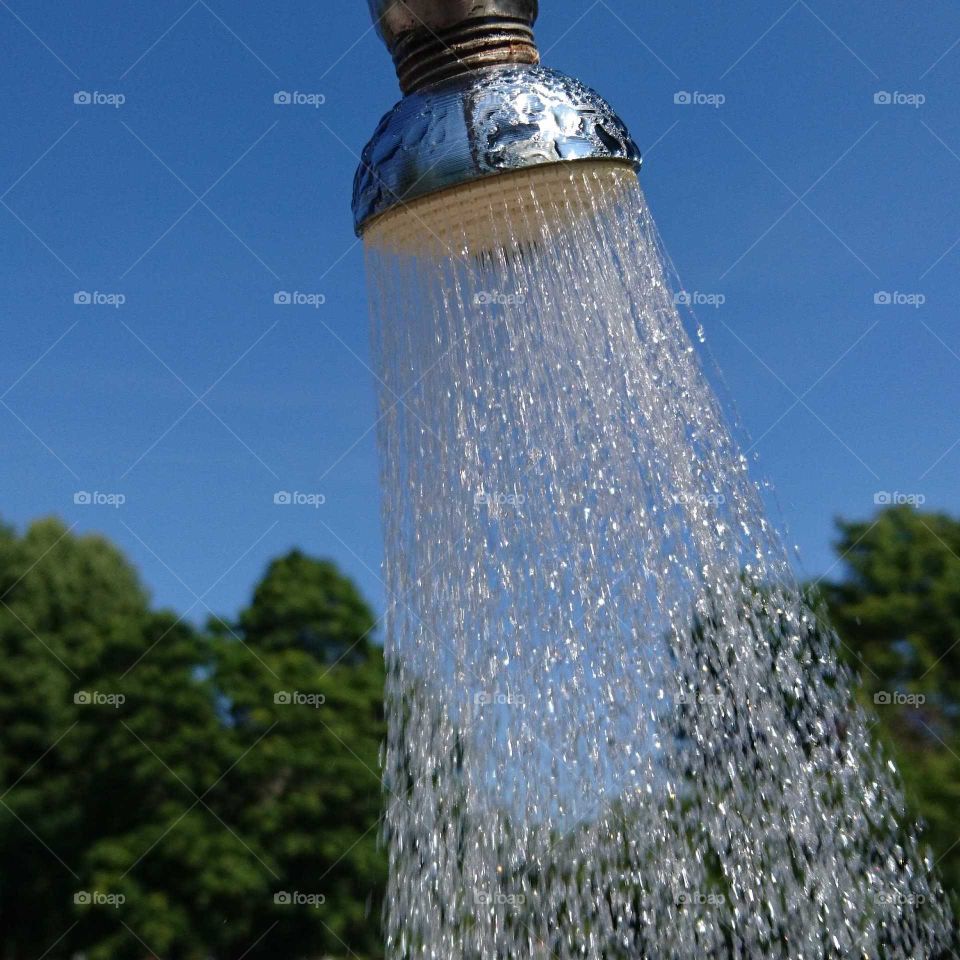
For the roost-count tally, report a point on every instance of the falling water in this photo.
(617, 729)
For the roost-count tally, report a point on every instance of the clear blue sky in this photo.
(797, 200)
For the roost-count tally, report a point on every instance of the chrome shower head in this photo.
(476, 105)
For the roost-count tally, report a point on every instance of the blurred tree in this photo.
(299, 676)
(897, 610)
(103, 709)
(157, 789)
(224, 783)
(66, 604)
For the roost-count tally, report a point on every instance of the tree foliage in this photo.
(897, 610)
(182, 793)
(197, 793)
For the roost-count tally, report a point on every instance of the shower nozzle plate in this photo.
(481, 124)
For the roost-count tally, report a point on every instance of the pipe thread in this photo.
(426, 57)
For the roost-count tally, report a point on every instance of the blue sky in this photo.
(782, 188)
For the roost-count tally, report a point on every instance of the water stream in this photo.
(617, 728)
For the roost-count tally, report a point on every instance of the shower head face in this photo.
(499, 215)
(494, 121)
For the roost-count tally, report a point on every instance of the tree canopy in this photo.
(184, 793)
(897, 610)
(198, 792)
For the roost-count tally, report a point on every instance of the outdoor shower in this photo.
(617, 727)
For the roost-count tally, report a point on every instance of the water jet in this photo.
(617, 726)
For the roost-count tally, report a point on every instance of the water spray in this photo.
(617, 727)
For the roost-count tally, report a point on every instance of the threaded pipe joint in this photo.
(435, 40)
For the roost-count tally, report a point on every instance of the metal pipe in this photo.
(433, 40)
(477, 104)
(394, 18)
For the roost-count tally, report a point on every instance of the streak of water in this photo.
(617, 729)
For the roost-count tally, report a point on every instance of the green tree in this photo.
(103, 709)
(156, 791)
(299, 675)
(897, 610)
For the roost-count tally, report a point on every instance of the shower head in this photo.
(476, 104)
